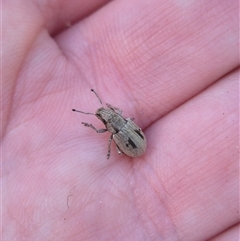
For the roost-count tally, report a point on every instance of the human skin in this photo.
(173, 66)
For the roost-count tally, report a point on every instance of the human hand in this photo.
(173, 67)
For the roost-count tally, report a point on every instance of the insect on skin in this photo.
(128, 137)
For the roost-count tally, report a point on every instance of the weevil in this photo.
(129, 137)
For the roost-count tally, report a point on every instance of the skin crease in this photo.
(171, 65)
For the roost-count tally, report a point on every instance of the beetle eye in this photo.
(104, 121)
(99, 116)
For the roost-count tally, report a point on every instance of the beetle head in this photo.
(105, 115)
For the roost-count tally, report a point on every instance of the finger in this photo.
(24, 21)
(195, 154)
(63, 14)
(230, 234)
(160, 55)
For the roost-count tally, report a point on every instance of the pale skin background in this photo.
(171, 65)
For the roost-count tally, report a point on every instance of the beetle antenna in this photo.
(97, 96)
(87, 113)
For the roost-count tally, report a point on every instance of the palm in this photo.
(57, 178)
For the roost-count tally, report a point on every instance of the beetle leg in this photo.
(119, 151)
(94, 128)
(119, 111)
(109, 146)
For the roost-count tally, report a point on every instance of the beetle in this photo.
(128, 136)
